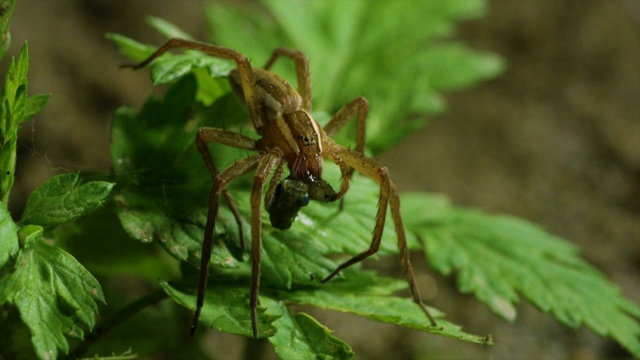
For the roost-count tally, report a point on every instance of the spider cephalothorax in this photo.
(289, 135)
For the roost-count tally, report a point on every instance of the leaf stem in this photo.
(119, 317)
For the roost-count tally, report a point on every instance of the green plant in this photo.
(161, 186)
(50, 289)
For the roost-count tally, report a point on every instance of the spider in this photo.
(290, 136)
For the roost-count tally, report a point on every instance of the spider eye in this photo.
(307, 140)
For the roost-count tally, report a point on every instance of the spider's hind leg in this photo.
(302, 72)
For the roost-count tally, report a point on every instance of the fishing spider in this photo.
(289, 135)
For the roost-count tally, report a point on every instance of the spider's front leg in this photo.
(242, 62)
(359, 107)
(388, 195)
(377, 172)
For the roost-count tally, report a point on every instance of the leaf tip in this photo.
(505, 308)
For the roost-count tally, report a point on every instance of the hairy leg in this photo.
(360, 107)
(222, 180)
(268, 162)
(394, 202)
(273, 184)
(242, 62)
(388, 195)
(206, 135)
(377, 172)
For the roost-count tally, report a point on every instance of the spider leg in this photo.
(229, 138)
(242, 62)
(360, 107)
(377, 172)
(345, 173)
(268, 162)
(388, 196)
(222, 180)
(394, 202)
(273, 184)
(302, 72)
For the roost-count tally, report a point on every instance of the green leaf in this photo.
(15, 108)
(165, 199)
(111, 251)
(35, 104)
(131, 48)
(171, 67)
(167, 29)
(362, 48)
(226, 309)
(63, 199)
(300, 336)
(394, 64)
(15, 91)
(499, 257)
(8, 236)
(402, 68)
(178, 233)
(164, 187)
(297, 254)
(371, 296)
(496, 258)
(52, 292)
(164, 182)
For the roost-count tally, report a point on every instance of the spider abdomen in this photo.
(275, 94)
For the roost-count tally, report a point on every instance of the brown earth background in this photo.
(555, 140)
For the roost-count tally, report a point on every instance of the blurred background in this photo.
(555, 140)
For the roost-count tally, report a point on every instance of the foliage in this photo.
(166, 202)
(50, 289)
(497, 257)
(517, 257)
(16, 108)
(159, 185)
(363, 48)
